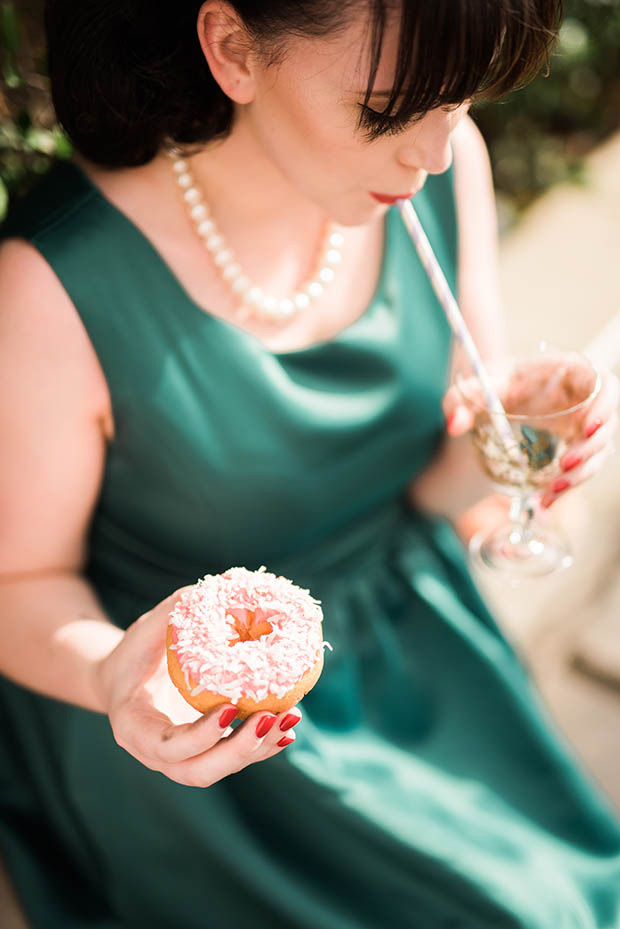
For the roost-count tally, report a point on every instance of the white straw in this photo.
(459, 327)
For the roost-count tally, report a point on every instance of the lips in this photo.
(387, 198)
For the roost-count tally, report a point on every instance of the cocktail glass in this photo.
(546, 395)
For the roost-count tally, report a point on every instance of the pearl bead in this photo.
(192, 195)
(206, 227)
(301, 301)
(198, 211)
(223, 257)
(254, 296)
(179, 167)
(336, 239)
(185, 180)
(314, 290)
(333, 257)
(231, 271)
(214, 242)
(241, 284)
(286, 307)
(269, 304)
(326, 275)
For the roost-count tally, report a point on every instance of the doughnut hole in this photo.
(249, 625)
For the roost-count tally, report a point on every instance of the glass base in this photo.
(521, 552)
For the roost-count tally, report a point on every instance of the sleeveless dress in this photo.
(427, 788)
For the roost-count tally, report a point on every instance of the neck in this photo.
(242, 184)
(275, 232)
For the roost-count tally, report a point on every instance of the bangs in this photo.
(450, 51)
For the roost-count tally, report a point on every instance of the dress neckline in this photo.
(194, 307)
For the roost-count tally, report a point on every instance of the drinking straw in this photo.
(459, 327)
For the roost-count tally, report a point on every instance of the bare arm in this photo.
(479, 290)
(53, 409)
(453, 481)
(55, 633)
(52, 412)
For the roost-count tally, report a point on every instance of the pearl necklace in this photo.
(251, 298)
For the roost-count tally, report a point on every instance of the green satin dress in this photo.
(427, 788)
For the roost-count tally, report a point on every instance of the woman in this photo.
(162, 422)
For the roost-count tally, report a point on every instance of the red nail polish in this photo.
(285, 740)
(571, 461)
(226, 717)
(593, 427)
(289, 721)
(559, 485)
(264, 726)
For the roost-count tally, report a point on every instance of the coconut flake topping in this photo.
(246, 634)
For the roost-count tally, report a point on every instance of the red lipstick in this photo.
(386, 198)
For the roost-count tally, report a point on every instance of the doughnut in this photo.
(245, 637)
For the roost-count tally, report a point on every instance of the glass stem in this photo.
(522, 513)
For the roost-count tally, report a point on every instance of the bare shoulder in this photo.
(38, 318)
(479, 285)
(473, 180)
(468, 146)
(53, 408)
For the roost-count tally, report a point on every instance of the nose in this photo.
(426, 145)
(433, 156)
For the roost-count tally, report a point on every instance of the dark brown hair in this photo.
(127, 75)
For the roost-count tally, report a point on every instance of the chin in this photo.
(358, 215)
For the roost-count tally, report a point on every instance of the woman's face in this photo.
(304, 116)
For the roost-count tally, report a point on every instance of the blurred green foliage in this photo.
(537, 136)
(29, 136)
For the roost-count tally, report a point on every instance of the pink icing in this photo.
(205, 634)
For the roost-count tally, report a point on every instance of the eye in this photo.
(378, 124)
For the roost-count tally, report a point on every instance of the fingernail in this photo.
(227, 716)
(289, 721)
(285, 740)
(559, 485)
(458, 419)
(264, 726)
(593, 427)
(571, 461)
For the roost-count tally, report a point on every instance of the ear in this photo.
(226, 46)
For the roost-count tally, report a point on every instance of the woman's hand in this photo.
(459, 418)
(154, 723)
(583, 458)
